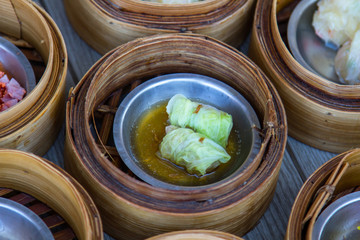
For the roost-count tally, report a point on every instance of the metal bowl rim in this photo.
(292, 32)
(331, 210)
(163, 79)
(36, 221)
(24, 62)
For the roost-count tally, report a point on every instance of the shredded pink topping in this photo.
(10, 92)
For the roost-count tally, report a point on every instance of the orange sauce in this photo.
(146, 138)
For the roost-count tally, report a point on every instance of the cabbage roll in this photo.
(347, 61)
(193, 151)
(213, 123)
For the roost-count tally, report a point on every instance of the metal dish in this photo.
(193, 86)
(19, 222)
(340, 220)
(15, 63)
(307, 48)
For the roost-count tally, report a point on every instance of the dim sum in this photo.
(347, 61)
(336, 21)
(213, 123)
(194, 151)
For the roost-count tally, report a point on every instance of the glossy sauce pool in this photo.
(146, 137)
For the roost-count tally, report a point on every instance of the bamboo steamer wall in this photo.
(33, 124)
(336, 178)
(320, 113)
(195, 235)
(132, 209)
(106, 24)
(27, 173)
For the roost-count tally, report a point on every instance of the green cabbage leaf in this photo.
(213, 123)
(193, 151)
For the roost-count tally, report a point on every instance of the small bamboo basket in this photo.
(32, 124)
(320, 113)
(195, 235)
(106, 24)
(133, 209)
(51, 193)
(336, 178)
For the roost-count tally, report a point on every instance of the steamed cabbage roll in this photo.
(195, 152)
(347, 61)
(213, 123)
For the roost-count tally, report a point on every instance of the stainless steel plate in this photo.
(307, 48)
(193, 86)
(340, 220)
(19, 222)
(15, 62)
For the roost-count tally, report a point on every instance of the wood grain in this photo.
(229, 23)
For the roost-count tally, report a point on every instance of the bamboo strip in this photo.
(132, 209)
(50, 184)
(32, 124)
(200, 7)
(341, 174)
(9, 19)
(321, 113)
(105, 25)
(195, 235)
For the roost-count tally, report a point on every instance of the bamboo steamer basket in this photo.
(106, 24)
(320, 113)
(30, 179)
(32, 124)
(132, 209)
(195, 235)
(334, 179)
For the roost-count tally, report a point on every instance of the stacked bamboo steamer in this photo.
(337, 177)
(51, 185)
(320, 113)
(132, 209)
(106, 24)
(32, 124)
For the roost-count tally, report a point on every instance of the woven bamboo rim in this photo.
(132, 209)
(195, 235)
(336, 178)
(321, 113)
(229, 23)
(50, 184)
(32, 124)
(170, 9)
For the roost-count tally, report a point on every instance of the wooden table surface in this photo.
(299, 162)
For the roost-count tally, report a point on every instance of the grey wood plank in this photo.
(307, 159)
(273, 223)
(81, 55)
(55, 153)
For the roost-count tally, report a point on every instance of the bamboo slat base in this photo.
(57, 225)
